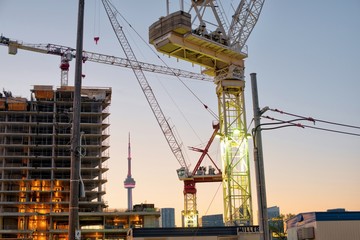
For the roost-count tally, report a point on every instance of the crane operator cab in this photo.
(182, 173)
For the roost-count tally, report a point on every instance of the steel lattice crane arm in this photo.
(67, 53)
(150, 97)
(244, 21)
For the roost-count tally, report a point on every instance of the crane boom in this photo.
(244, 21)
(150, 97)
(69, 52)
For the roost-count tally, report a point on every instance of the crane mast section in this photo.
(62, 51)
(234, 153)
(135, 65)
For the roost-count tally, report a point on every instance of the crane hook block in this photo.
(96, 39)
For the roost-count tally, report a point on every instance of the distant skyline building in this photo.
(273, 212)
(167, 217)
(215, 220)
(129, 182)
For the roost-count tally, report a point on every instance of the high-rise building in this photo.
(35, 157)
(35, 139)
(167, 217)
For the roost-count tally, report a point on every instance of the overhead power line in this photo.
(291, 123)
(314, 119)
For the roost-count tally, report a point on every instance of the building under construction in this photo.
(35, 157)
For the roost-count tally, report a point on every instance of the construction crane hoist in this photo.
(203, 36)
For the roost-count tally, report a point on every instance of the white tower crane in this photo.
(67, 54)
(201, 36)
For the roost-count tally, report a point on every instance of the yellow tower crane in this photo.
(203, 36)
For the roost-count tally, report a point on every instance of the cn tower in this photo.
(129, 182)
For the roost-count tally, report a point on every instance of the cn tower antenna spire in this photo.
(129, 182)
(129, 157)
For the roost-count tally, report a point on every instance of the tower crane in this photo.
(67, 54)
(203, 36)
(190, 178)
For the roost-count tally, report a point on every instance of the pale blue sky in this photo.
(306, 56)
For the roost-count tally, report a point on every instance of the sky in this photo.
(305, 54)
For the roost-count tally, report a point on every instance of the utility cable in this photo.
(316, 120)
(334, 131)
(307, 126)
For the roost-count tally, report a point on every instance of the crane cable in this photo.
(96, 30)
(187, 87)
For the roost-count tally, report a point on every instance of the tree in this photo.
(276, 226)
